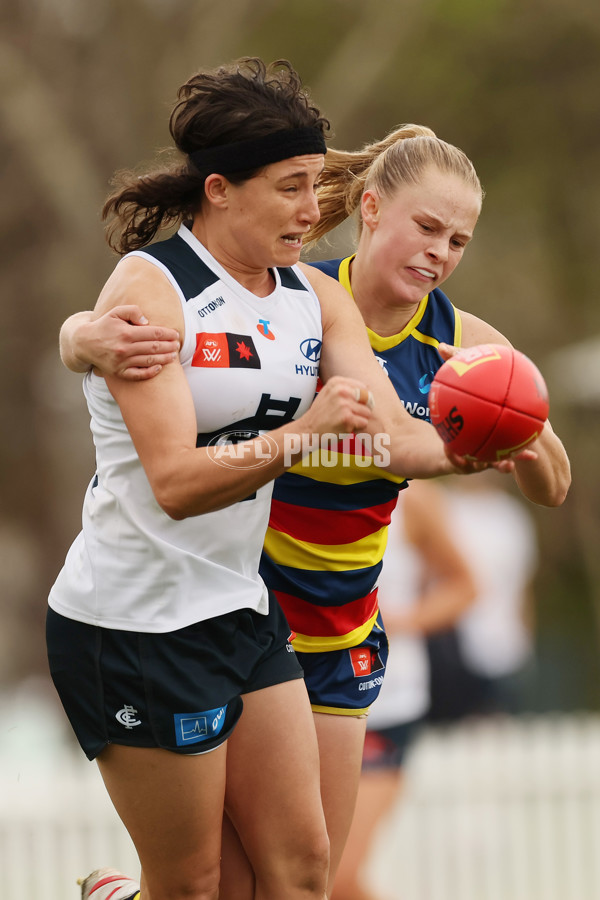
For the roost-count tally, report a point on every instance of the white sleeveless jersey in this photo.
(251, 364)
(404, 694)
(498, 533)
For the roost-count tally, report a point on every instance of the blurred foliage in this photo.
(86, 89)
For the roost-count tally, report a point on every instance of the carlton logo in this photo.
(128, 717)
(225, 351)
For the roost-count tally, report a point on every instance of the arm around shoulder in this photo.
(71, 339)
(160, 414)
(119, 341)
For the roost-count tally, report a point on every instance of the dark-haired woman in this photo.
(159, 622)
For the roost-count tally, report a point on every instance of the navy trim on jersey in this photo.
(190, 272)
(289, 279)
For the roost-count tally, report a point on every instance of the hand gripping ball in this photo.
(488, 402)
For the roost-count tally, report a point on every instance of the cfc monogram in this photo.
(127, 717)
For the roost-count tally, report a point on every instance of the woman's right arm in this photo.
(160, 416)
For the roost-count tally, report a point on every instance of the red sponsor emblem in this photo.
(225, 351)
(212, 351)
(244, 351)
(360, 657)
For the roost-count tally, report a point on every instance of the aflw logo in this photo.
(360, 658)
(211, 351)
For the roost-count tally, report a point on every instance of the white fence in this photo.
(56, 825)
(506, 810)
(496, 811)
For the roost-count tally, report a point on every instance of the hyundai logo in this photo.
(311, 349)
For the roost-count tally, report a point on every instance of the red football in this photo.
(488, 402)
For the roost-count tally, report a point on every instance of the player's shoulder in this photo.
(136, 280)
(320, 279)
(330, 267)
(133, 274)
(477, 331)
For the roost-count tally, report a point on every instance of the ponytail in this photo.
(142, 205)
(385, 165)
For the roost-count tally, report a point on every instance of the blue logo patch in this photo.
(311, 349)
(425, 382)
(191, 728)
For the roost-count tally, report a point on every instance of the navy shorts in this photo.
(346, 682)
(180, 690)
(386, 748)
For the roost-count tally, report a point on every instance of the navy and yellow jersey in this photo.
(411, 357)
(329, 513)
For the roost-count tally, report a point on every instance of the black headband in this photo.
(258, 152)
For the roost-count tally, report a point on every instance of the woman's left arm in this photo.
(546, 478)
(414, 446)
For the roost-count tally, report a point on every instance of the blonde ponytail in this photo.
(385, 165)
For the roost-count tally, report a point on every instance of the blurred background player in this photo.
(485, 664)
(425, 585)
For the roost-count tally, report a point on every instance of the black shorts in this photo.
(386, 748)
(180, 690)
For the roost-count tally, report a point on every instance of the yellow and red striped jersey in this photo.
(330, 512)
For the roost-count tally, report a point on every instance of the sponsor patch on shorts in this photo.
(360, 657)
(365, 661)
(191, 728)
